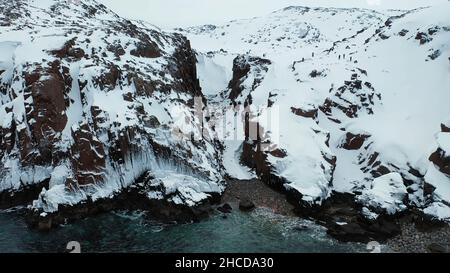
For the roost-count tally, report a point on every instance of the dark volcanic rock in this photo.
(364, 94)
(359, 230)
(48, 104)
(428, 189)
(305, 113)
(316, 73)
(441, 160)
(109, 79)
(354, 142)
(185, 69)
(67, 50)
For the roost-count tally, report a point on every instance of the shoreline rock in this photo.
(23, 196)
(246, 205)
(129, 199)
(225, 208)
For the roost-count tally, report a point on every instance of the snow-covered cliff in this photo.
(359, 97)
(90, 102)
(314, 101)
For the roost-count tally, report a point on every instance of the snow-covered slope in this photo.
(356, 95)
(90, 102)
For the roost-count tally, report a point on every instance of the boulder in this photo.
(246, 205)
(436, 248)
(349, 232)
(301, 228)
(225, 208)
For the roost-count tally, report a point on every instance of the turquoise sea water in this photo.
(257, 231)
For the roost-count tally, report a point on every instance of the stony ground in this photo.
(259, 193)
(416, 240)
(412, 240)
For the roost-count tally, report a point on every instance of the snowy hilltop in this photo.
(316, 102)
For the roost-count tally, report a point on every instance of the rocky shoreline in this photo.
(415, 238)
(132, 198)
(340, 214)
(25, 195)
(408, 233)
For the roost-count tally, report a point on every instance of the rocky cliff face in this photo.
(90, 102)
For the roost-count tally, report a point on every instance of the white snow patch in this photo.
(387, 192)
(231, 161)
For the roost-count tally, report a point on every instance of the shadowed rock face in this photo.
(242, 66)
(445, 128)
(441, 160)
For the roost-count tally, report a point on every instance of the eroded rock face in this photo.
(48, 105)
(88, 156)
